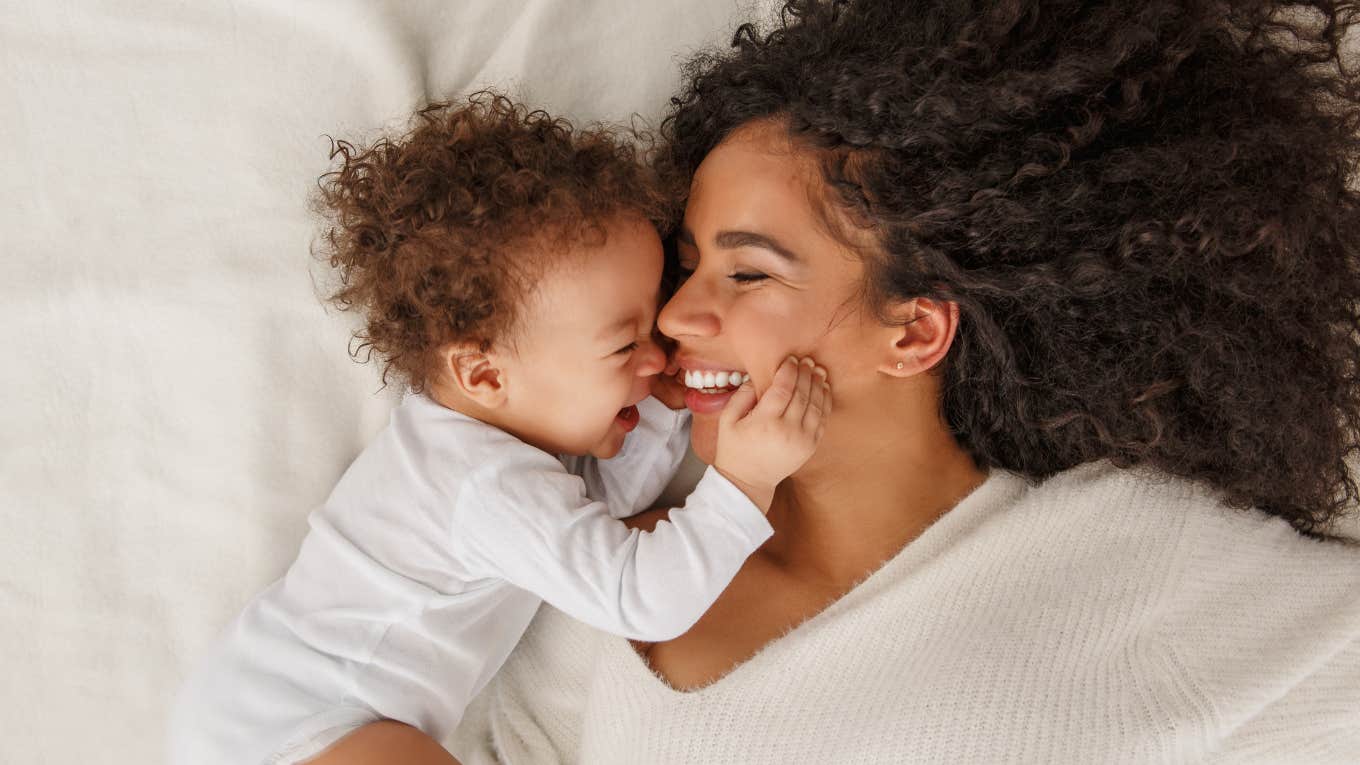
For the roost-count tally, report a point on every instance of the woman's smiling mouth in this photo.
(708, 387)
(713, 382)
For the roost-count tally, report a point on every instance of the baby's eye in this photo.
(629, 348)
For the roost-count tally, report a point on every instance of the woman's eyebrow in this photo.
(731, 240)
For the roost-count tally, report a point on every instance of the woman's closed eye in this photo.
(740, 277)
(629, 348)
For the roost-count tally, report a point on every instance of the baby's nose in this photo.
(651, 359)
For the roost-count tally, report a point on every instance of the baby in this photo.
(509, 270)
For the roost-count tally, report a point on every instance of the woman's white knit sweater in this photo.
(1104, 616)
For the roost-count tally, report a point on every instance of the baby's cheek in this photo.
(640, 386)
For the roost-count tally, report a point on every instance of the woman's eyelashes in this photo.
(747, 277)
(740, 277)
(629, 348)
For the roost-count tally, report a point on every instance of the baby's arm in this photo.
(631, 481)
(533, 525)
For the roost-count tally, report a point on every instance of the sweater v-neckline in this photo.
(1000, 489)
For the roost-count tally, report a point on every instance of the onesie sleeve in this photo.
(535, 527)
(631, 481)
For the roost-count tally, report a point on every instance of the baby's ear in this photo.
(474, 371)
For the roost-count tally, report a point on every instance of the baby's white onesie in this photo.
(427, 562)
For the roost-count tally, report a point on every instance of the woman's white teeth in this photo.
(714, 382)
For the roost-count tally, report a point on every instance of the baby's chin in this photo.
(610, 445)
(606, 450)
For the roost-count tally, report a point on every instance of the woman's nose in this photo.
(688, 313)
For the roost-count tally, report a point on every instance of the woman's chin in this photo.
(703, 437)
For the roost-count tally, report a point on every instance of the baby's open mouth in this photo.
(628, 418)
(713, 382)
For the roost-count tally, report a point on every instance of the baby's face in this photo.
(585, 354)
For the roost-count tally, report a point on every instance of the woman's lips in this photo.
(706, 403)
(697, 401)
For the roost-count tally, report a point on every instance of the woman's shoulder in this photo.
(1206, 551)
(1194, 515)
(1256, 619)
(1202, 572)
(1250, 621)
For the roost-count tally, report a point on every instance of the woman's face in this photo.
(764, 280)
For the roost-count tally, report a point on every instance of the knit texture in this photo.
(1104, 616)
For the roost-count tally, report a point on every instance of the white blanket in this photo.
(174, 399)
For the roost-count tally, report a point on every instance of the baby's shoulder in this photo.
(429, 454)
(453, 438)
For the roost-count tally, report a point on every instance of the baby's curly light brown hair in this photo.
(437, 235)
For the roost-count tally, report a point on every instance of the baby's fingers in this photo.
(776, 398)
(802, 392)
(821, 395)
(743, 401)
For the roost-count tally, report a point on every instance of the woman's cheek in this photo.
(762, 340)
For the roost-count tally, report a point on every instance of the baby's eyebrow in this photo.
(616, 328)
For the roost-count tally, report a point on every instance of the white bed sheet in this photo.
(174, 399)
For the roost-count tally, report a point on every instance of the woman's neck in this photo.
(879, 479)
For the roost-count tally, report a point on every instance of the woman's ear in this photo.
(475, 372)
(919, 337)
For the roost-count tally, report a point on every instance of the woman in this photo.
(1085, 278)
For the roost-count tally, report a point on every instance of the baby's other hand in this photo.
(760, 443)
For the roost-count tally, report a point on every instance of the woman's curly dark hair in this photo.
(1144, 209)
(437, 235)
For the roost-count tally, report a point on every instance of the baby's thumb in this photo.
(741, 403)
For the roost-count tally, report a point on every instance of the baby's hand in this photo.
(667, 389)
(760, 443)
